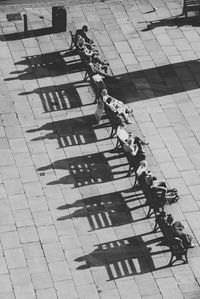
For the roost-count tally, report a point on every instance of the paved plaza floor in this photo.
(71, 224)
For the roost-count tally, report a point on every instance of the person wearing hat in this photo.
(83, 32)
(177, 228)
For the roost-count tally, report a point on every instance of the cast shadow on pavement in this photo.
(61, 97)
(125, 257)
(70, 131)
(168, 79)
(178, 21)
(106, 210)
(47, 65)
(89, 169)
(27, 34)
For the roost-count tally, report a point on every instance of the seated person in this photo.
(85, 48)
(116, 106)
(97, 67)
(83, 32)
(177, 228)
(134, 145)
(159, 186)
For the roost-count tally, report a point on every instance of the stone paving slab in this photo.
(71, 225)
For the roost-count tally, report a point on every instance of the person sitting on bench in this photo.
(133, 144)
(159, 185)
(177, 228)
(117, 106)
(84, 47)
(83, 32)
(98, 67)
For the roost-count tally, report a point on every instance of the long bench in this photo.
(175, 244)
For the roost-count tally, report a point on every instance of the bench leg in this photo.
(149, 212)
(171, 260)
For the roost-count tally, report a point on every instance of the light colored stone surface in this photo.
(71, 225)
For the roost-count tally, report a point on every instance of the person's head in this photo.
(95, 58)
(104, 92)
(170, 219)
(80, 41)
(143, 174)
(85, 28)
(108, 100)
(163, 214)
(123, 125)
(143, 165)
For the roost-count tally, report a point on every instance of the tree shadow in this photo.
(102, 211)
(60, 97)
(86, 170)
(48, 65)
(27, 34)
(69, 132)
(122, 258)
(178, 21)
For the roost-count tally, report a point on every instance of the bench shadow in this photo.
(102, 211)
(87, 169)
(47, 65)
(60, 97)
(122, 258)
(69, 132)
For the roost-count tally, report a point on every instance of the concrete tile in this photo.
(28, 234)
(47, 234)
(188, 204)
(162, 155)
(191, 177)
(46, 293)
(87, 291)
(168, 287)
(9, 172)
(24, 291)
(66, 287)
(5, 284)
(42, 218)
(110, 294)
(23, 159)
(37, 203)
(60, 271)
(13, 186)
(169, 170)
(32, 250)
(160, 120)
(37, 265)
(23, 217)
(33, 189)
(41, 280)
(18, 201)
(28, 174)
(70, 242)
(183, 163)
(127, 288)
(3, 266)
(20, 276)
(18, 145)
(195, 191)
(15, 258)
(53, 252)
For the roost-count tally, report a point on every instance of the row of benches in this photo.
(154, 200)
